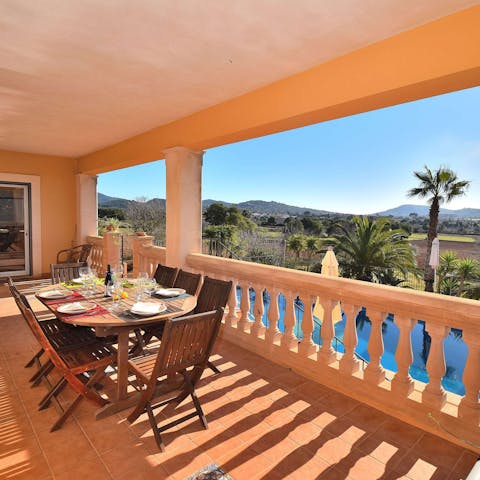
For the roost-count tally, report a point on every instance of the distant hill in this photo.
(254, 206)
(262, 207)
(112, 202)
(268, 208)
(422, 211)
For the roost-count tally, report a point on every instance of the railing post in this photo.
(111, 249)
(273, 333)
(469, 408)
(138, 242)
(306, 346)
(402, 384)
(258, 328)
(289, 340)
(244, 323)
(231, 318)
(434, 394)
(374, 373)
(326, 354)
(349, 363)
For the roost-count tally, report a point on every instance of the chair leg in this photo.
(69, 410)
(35, 358)
(44, 370)
(45, 401)
(212, 367)
(199, 410)
(153, 423)
(58, 424)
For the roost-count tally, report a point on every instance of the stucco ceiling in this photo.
(76, 76)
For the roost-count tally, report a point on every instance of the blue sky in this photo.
(358, 164)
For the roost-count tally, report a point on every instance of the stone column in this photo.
(184, 204)
(87, 207)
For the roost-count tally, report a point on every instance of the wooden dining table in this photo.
(119, 322)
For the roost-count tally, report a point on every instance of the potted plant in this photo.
(111, 224)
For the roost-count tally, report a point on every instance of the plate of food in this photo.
(147, 309)
(170, 292)
(76, 307)
(52, 294)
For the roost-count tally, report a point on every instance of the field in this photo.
(445, 238)
(463, 249)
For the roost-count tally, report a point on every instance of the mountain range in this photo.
(262, 207)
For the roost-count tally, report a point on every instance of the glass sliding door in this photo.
(14, 229)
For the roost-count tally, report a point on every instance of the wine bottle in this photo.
(108, 282)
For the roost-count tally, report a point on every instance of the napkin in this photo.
(73, 307)
(146, 307)
(53, 293)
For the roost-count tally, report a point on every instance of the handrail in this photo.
(443, 310)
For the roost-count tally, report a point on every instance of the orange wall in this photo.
(432, 59)
(58, 197)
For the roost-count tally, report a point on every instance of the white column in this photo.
(184, 204)
(87, 206)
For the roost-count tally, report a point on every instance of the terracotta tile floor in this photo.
(265, 421)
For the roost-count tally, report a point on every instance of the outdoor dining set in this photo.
(150, 339)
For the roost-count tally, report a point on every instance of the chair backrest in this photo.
(65, 272)
(213, 294)
(79, 253)
(188, 281)
(165, 276)
(187, 342)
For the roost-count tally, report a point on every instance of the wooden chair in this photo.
(165, 276)
(65, 272)
(213, 294)
(73, 363)
(78, 254)
(188, 281)
(177, 367)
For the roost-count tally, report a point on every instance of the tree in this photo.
(293, 225)
(312, 245)
(438, 187)
(372, 251)
(468, 269)
(296, 243)
(146, 216)
(216, 214)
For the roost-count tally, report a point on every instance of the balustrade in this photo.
(282, 346)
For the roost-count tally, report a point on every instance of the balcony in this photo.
(266, 421)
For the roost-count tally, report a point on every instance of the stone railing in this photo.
(146, 256)
(426, 405)
(96, 254)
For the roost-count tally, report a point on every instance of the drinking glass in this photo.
(117, 295)
(117, 272)
(150, 286)
(90, 284)
(83, 272)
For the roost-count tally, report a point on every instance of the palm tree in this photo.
(312, 246)
(467, 269)
(439, 186)
(296, 243)
(372, 251)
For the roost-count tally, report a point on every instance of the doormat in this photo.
(210, 472)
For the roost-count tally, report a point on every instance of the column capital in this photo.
(180, 151)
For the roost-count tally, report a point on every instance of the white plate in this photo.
(170, 292)
(77, 280)
(76, 307)
(52, 294)
(148, 309)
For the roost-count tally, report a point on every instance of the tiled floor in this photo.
(265, 422)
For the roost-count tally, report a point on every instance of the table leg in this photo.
(122, 365)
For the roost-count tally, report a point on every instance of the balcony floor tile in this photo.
(265, 422)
